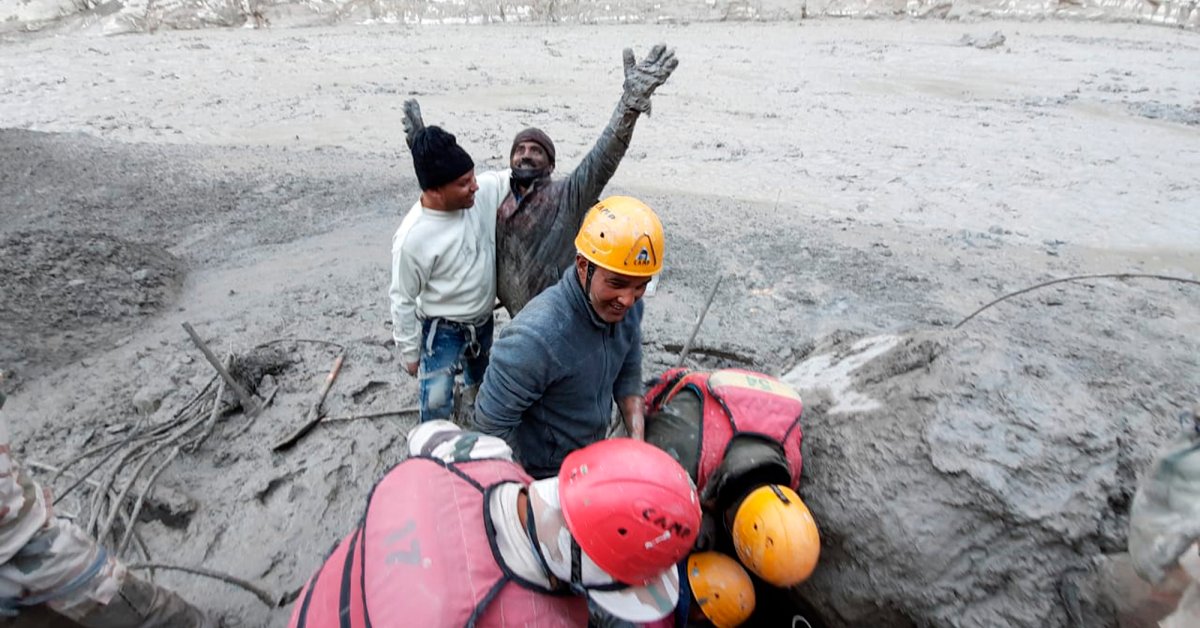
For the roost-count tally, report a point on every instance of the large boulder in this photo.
(973, 478)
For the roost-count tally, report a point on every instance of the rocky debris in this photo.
(170, 506)
(258, 369)
(148, 399)
(1167, 112)
(995, 40)
(72, 280)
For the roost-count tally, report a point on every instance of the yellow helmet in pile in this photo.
(622, 234)
(721, 588)
(775, 535)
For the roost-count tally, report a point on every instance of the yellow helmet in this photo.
(622, 234)
(721, 588)
(775, 535)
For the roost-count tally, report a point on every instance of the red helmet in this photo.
(630, 506)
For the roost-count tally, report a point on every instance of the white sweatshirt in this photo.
(444, 264)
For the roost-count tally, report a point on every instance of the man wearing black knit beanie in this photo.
(444, 273)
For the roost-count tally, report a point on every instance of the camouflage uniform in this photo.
(1164, 528)
(48, 561)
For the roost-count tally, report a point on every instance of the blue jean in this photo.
(449, 348)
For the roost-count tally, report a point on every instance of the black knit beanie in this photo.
(437, 158)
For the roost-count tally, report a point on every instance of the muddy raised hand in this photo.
(412, 121)
(641, 79)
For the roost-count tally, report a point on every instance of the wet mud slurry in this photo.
(863, 187)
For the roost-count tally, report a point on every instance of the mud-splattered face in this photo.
(458, 194)
(611, 294)
(529, 155)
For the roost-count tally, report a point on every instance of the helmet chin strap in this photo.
(587, 286)
(577, 586)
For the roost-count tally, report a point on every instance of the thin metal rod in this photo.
(687, 347)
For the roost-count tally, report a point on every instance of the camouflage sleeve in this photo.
(450, 443)
(64, 568)
(23, 506)
(1165, 517)
(43, 558)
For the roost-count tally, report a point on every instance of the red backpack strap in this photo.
(664, 388)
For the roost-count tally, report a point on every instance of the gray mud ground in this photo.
(853, 179)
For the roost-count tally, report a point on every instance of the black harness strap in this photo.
(453, 468)
(576, 586)
(667, 392)
(302, 619)
(724, 406)
(577, 568)
(344, 593)
(362, 557)
(487, 600)
(512, 576)
(791, 428)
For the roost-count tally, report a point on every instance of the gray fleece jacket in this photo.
(554, 374)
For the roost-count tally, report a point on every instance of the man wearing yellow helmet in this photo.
(557, 368)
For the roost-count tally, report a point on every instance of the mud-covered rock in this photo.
(969, 479)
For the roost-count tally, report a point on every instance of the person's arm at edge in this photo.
(450, 443)
(627, 390)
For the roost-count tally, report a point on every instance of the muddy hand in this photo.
(412, 121)
(641, 79)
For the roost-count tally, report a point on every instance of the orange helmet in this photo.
(775, 535)
(622, 234)
(721, 588)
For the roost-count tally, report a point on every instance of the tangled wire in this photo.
(111, 506)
